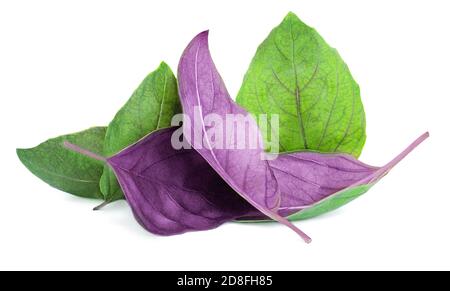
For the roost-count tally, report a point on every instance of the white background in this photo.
(68, 65)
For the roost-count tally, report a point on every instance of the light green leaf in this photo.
(298, 76)
(326, 205)
(151, 107)
(331, 203)
(64, 169)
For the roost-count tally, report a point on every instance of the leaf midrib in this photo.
(297, 90)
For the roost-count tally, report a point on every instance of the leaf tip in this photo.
(21, 155)
(19, 151)
(292, 19)
(203, 36)
(200, 40)
(163, 65)
(204, 33)
(291, 16)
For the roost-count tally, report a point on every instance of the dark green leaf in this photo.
(64, 169)
(151, 107)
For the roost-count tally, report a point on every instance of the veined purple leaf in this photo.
(308, 177)
(314, 183)
(331, 178)
(203, 93)
(306, 180)
(172, 191)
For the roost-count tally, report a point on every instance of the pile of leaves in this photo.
(295, 74)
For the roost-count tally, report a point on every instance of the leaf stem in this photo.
(408, 150)
(99, 207)
(82, 151)
(289, 224)
(386, 168)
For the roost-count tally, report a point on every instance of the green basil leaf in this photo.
(331, 203)
(326, 205)
(151, 107)
(64, 169)
(298, 76)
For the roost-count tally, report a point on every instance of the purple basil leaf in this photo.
(304, 179)
(172, 191)
(308, 179)
(203, 93)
